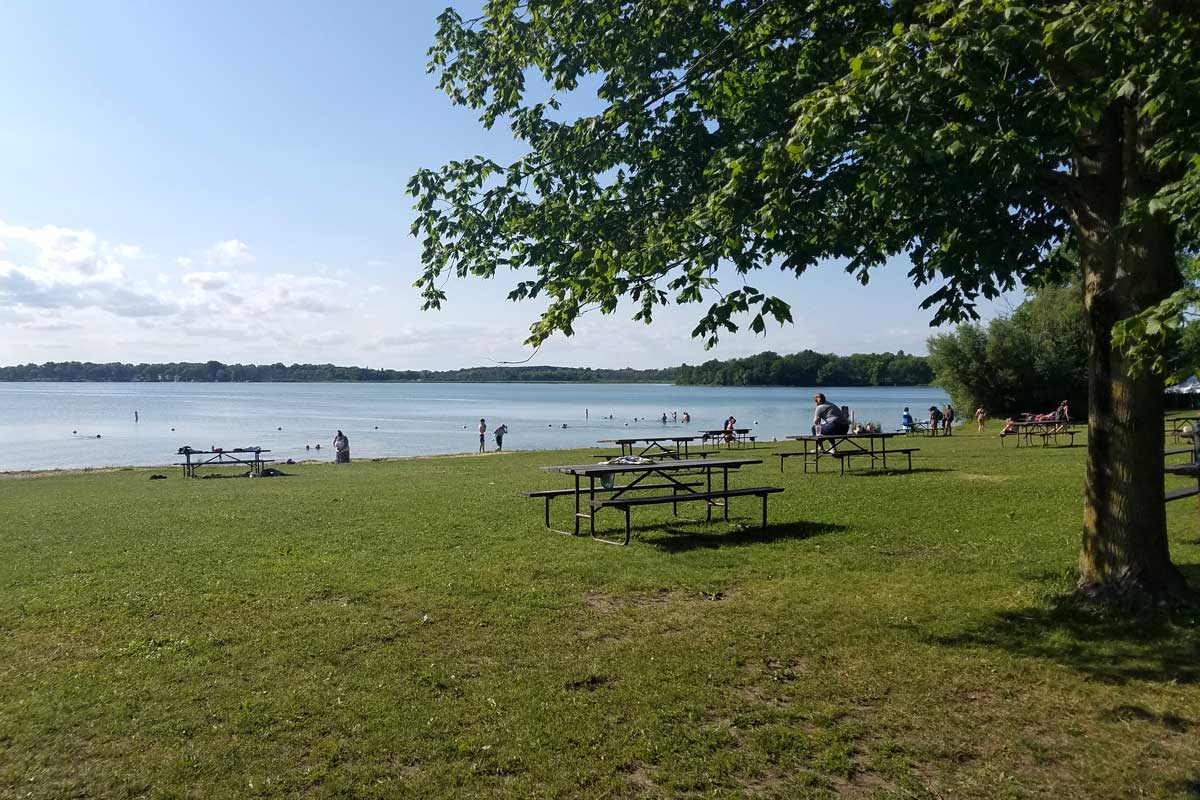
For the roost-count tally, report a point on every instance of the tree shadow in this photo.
(676, 538)
(1188, 787)
(1113, 646)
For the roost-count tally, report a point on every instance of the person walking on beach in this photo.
(499, 434)
(980, 417)
(482, 433)
(341, 449)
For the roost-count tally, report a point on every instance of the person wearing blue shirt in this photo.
(906, 420)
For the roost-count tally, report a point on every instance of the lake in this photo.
(55, 425)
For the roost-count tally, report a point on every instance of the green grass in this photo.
(409, 629)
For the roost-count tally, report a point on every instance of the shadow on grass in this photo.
(1154, 645)
(887, 473)
(1187, 787)
(675, 538)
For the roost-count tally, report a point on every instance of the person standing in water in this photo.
(499, 434)
(135, 416)
(482, 433)
(341, 449)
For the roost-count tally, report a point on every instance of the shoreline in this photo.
(14, 474)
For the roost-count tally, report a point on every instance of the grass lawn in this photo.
(409, 629)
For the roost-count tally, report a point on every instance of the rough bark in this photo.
(1126, 269)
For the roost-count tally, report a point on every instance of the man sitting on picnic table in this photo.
(829, 419)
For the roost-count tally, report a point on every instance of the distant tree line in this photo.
(810, 368)
(216, 372)
(806, 368)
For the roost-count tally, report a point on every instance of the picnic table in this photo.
(918, 426)
(1174, 426)
(844, 447)
(250, 457)
(653, 446)
(683, 478)
(740, 435)
(1047, 429)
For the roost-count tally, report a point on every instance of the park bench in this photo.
(627, 503)
(549, 494)
(1182, 492)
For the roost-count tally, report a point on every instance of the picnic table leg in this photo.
(764, 499)
(591, 508)
(725, 501)
(547, 499)
(627, 526)
(708, 488)
(577, 505)
(883, 449)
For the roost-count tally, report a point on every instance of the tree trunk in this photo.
(1127, 268)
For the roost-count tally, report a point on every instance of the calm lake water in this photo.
(54, 425)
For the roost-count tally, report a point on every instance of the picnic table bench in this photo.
(673, 474)
(1191, 470)
(249, 457)
(851, 445)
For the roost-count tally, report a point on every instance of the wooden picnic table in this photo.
(250, 457)
(1045, 428)
(844, 446)
(653, 445)
(673, 475)
(1173, 426)
(740, 435)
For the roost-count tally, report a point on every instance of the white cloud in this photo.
(183, 261)
(231, 252)
(207, 281)
(65, 255)
(73, 269)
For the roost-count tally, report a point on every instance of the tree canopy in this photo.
(753, 133)
(988, 142)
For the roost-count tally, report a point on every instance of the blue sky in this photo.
(226, 180)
